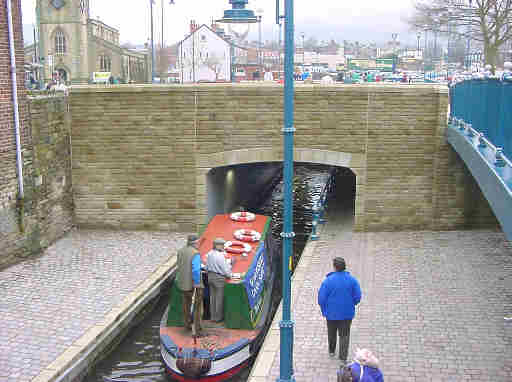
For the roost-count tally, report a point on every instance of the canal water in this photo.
(137, 357)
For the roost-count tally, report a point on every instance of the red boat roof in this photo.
(223, 226)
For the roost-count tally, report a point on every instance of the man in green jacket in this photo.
(189, 281)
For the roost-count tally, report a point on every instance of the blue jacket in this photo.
(338, 296)
(371, 374)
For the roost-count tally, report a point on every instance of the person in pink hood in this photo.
(365, 368)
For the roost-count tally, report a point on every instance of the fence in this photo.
(485, 104)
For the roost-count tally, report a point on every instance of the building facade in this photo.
(72, 47)
(209, 55)
(204, 56)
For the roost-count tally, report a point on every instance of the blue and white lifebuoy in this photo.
(242, 216)
(249, 235)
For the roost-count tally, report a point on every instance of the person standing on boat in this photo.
(338, 296)
(219, 268)
(189, 281)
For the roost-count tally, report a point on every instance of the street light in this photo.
(259, 13)
(237, 15)
(394, 36)
(151, 2)
(468, 47)
(303, 52)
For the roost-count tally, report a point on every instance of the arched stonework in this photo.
(205, 162)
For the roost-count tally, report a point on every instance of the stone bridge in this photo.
(141, 155)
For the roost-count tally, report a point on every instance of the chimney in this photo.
(193, 26)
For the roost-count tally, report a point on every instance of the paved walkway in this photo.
(433, 306)
(53, 306)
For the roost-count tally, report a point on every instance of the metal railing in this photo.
(486, 105)
(481, 141)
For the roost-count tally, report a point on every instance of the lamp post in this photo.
(286, 324)
(260, 60)
(425, 55)
(237, 15)
(303, 53)
(468, 47)
(152, 44)
(394, 36)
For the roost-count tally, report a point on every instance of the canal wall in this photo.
(142, 154)
(27, 226)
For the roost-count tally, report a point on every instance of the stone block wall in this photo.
(133, 157)
(47, 209)
(141, 154)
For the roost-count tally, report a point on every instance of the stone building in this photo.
(72, 46)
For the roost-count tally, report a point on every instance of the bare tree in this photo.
(486, 21)
(162, 61)
(214, 63)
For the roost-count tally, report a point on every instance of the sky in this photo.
(362, 20)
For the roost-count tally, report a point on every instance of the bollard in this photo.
(481, 141)
(469, 126)
(500, 162)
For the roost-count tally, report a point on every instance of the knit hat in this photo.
(219, 241)
(339, 262)
(366, 357)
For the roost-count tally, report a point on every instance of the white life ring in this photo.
(242, 216)
(247, 235)
(237, 247)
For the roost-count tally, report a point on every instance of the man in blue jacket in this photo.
(338, 296)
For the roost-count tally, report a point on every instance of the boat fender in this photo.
(242, 216)
(237, 247)
(247, 235)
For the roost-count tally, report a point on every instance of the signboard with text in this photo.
(254, 281)
(384, 64)
(100, 77)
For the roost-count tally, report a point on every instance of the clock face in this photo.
(58, 4)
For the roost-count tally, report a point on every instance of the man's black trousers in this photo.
(339, 328)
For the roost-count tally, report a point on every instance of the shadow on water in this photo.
(137, 357)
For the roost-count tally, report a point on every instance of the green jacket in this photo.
(184, 279)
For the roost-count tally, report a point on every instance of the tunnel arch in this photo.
(206, 162)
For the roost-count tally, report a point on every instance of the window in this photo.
(105, 63)
(60, 42)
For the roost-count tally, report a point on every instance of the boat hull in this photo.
(221, 370)
(232, 346)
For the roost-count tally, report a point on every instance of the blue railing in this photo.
(485, 104)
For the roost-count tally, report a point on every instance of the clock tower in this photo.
(63, 39)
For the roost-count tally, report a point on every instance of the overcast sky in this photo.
(363, 20)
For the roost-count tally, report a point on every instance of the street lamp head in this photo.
(238, 14)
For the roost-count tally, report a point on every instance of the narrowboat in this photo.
(222, 351)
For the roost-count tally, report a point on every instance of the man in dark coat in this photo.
(189, 281)
(338, 296)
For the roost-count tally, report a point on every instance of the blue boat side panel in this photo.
(495, 182)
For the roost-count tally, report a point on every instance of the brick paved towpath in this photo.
(433, 306)
(53, 306)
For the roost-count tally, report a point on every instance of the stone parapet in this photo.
(141, 154)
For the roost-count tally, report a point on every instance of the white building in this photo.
(204, 56)
(313, 59)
